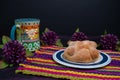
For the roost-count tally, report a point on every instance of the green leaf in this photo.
(118, 46)
(77, 30)
(105, 32)
(46, 30)
(42, 33)
(42, 43)
(11, 65)
(3, 64)
(59, 43)
(29, 53)
(5, 39)
(1, 46)
(118, 43)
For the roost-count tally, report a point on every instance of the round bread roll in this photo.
(81, 51)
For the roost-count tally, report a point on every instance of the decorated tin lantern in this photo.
(27, 32)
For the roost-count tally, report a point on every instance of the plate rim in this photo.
(78, 66)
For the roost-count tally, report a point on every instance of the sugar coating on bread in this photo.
(81, 51)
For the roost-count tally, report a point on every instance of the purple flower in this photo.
(49, 38)
(108, 41)
(13, 52)
(79, 36)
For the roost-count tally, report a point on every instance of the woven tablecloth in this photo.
(42, 64)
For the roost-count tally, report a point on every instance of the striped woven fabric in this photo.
(42, 64)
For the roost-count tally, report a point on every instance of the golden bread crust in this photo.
(81, 51)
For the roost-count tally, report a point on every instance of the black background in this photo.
(64, 16)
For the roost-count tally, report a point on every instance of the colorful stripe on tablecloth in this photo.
(42, 64)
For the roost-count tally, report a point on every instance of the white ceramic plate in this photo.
(103, 60)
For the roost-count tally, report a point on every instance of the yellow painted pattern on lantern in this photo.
(32, 34)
